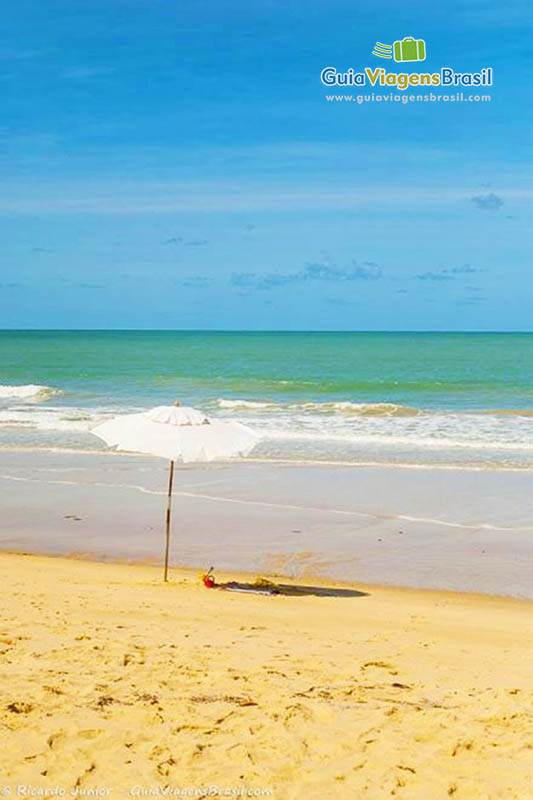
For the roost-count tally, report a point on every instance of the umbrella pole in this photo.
(169, 503)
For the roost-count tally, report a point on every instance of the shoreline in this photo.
(246, 576)
(430, 465)
(113, 680)
(456, 530)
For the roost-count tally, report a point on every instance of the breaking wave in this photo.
(252, 404)
(363, 409)
(28, 391)
(50, 418)
(338, 430)
(339, 407)
(346, 407)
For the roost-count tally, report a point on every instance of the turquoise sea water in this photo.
(411, 398)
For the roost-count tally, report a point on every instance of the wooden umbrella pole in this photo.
(169, 504)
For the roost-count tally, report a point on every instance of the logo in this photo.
(410, 49)
(407, 49)
(382, 50)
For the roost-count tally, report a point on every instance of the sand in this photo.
(113, 684)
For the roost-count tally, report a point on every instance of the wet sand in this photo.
(455, 529)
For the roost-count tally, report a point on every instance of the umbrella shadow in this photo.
(294, 590)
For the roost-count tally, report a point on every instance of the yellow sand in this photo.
(111, 681)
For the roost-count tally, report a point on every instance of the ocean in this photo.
(447, 399)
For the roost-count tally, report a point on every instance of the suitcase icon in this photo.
(410, 49)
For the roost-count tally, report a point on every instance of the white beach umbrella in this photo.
(177, 433)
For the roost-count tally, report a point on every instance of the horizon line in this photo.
(260, 330)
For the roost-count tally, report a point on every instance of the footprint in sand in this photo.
(55, 739)
(103, 702)
(132, 658)
(391, 669)
(19, 707)
(150, 699)
(167, 759)
(297, 712)
(468, 745)
(91, 733)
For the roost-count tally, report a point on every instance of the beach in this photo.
(115, 684)
(391, 485)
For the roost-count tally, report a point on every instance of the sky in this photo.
(176, 165)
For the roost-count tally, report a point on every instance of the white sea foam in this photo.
(343, 430)
(385, 428)
(253, 404)
(28, 391)
(385, 439)
(51, 418)
(360, 425)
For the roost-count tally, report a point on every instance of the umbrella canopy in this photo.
(177, 433)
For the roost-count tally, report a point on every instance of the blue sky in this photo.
(176, 165)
